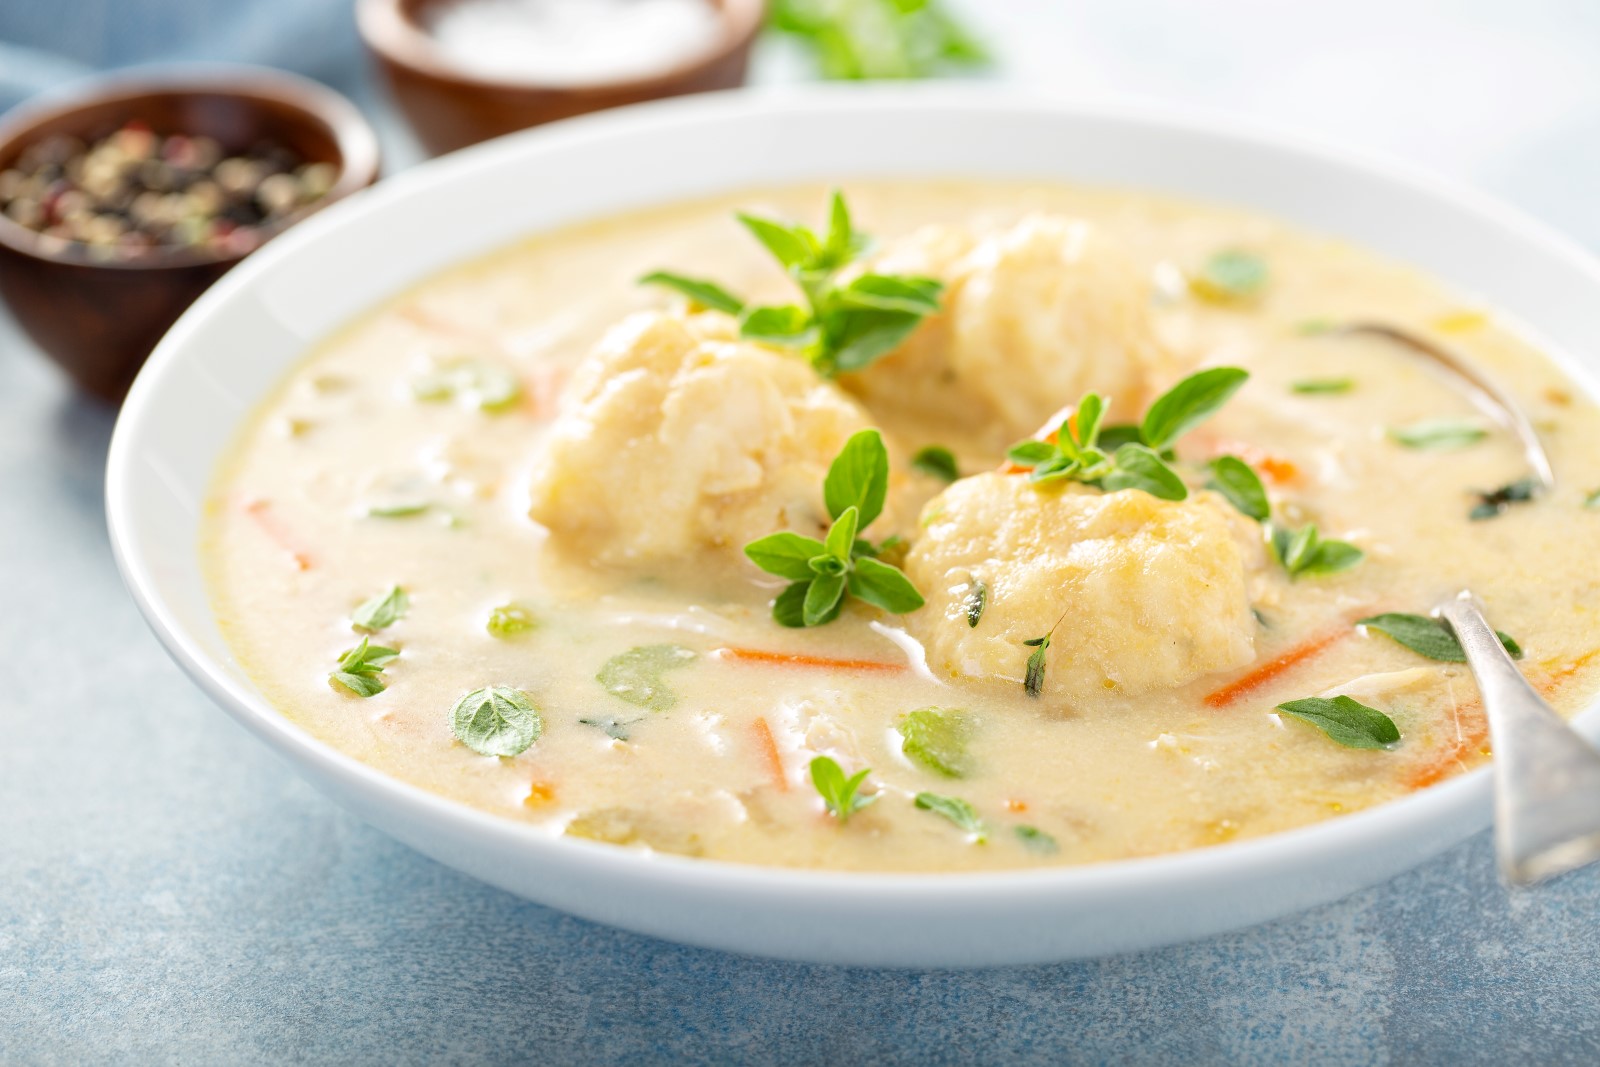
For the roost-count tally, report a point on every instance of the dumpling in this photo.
(1150, 594)
(675, 439)
(1034, 317)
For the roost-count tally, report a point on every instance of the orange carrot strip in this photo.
(769, 751)
(257, 509)
(1271, 669)
(1273, 468)
(801, 659)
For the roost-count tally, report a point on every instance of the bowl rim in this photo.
(354, 139)
(395, 37)
(1459, 796)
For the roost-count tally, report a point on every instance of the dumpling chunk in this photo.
(674, 440)
(1149, 593)
(1034, 317)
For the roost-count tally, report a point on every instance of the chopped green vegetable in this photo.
(612, 727)
(856, 40)
(1036, 840)
(1238, 482)
(1305, 552)
(1347, 721)
(841, 327)
(700, 293)
(1429, 637)
(974, 603)
(396, 511)
(635, 675)
(840, 794)
(1329, 386)
(1033, 679)
(1439, 434)
(823, 572)
(1496, 501)
(1230, 276)
(496, 721)
(475, 383)
(381, 611)
(957, 811)
(937, 738)
(360, 668)
(936, 461)
(509, 620)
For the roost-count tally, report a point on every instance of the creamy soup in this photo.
(491, 537)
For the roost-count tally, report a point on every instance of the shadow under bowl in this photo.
(99, 319)
(450, 106)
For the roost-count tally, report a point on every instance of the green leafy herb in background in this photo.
(1330, 386)
(1347, 721)
(381, 611)
(635, 675)
(1305, 551)
(936, 461)
(475, 383)
(823, 573)
(509, 620)
(1036, 840)
(1439, 434)
(842, 327)
(937, 738)
(858, 40)
(1430, 637)
(955, 809)
(1238, 482)
(496, 721)
(1230, 276)
(360, 668)
(1592, 499)
(1496, 501)
(841, 795)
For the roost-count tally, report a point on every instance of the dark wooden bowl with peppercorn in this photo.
(121, 201)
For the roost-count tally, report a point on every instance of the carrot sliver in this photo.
(275, 531)
(1271, 669)
(769, 752)
(801, 659)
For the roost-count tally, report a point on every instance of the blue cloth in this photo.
(171, 893)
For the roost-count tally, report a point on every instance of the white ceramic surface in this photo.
(230, 348)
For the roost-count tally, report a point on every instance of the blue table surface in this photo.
(169, 892)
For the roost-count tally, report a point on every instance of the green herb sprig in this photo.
(958, 811)
(382, 611)
(1497, 501)
(1345, 720)
(1306, 553)
(1430, 637)
(822, 573)
(842, 327)
(1230, 276)
(841, 795)
(635, 675)
(1438, 435)
(937, 738)
(360, 668)
(937, 461)
(496, 721)
(860, 40)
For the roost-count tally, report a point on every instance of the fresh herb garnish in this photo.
(509, 620)
(842, 327)
(1439, 434)
(1078, 453)
(855, 40)
(974, 603)
(1592, 499)
(937, 738)
(1496, 501)
(496, 721)
(1033, 680)
(937, 461)
(635, 675)
(823, 572)
(475, 383)
(612, 727)
(360, 668)
(1036, 840)
(396, 511)
(1331, 386)
(840, 794)
(1230, 276)
(1430, 637)
(956, 810)
(1347, 721)
(1306, 552)
(1238, 482)
(381, 611)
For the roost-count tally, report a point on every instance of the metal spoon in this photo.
(1546, 777)
(1482, 389)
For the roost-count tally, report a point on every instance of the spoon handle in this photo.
(1547, 778)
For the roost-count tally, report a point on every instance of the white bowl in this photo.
(237, 341)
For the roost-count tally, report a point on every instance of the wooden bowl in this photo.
(100, 319)
(450, 107)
